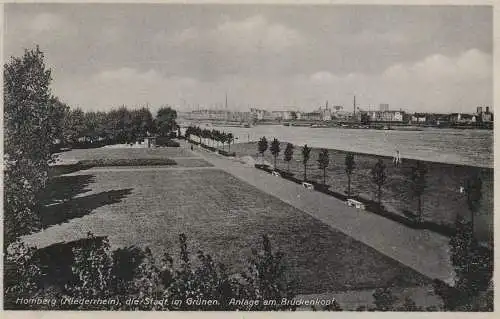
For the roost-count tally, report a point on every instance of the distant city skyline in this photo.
(416, 58)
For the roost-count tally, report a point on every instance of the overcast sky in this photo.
(436, 59)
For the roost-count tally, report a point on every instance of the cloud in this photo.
(252, 45)
(436, 83)
(46, 22)
(123, 86)
(248, 35)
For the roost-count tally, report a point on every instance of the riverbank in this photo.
(442, 200)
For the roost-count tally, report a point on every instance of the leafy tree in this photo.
(384, 300)
(262, 146)
(275, 150)
(288, 154)
(365, 119)
(165, 120)
(229, 138)
(306, 154)
(58, 111)
(349, 169)
(418, 184)
(30, 112)
(473, 265)
(379, 177)
(74, 125)
(473, 189)
(143, 122)
(323, 162)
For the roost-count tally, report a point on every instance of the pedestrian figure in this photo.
(462, 189)
(397, 159)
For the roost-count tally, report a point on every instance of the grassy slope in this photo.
(441, 201)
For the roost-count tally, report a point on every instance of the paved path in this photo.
(422, 250)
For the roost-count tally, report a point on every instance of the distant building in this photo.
(461, 118)
(282, 115)
(384, 107)
(485, 116)
(311, 116)
(216, 115)
(419, 118)
(386, 116)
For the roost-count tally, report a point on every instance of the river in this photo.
(467, 147)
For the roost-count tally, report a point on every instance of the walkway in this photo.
(422, 250)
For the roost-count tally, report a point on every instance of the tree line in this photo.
(417, 176)
(472, 262)
(206, 136)
(119, 125)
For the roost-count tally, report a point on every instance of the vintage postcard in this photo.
(248, 157)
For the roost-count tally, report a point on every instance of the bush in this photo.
(225, 153)
(166, 141)
(97, 272)
(22, 274)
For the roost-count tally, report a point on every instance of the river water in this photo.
(467, 147)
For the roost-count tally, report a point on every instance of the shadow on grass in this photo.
(55, 261)
(79, 207)
(64, 188)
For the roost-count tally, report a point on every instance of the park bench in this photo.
(308, 185)
(354, 203)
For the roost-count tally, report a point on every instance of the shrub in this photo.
(99, 273)
(166, 141)
(22, 274)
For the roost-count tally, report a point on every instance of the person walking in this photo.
(397, 159)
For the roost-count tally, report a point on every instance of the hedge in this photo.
(166, 141)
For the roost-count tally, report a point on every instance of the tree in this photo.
(29, 114)
(418, 184)
(230, 139)
(262, 146)
(143, 122)
(473, 265)
(58, 110)
(74, 125)
(165, 120)
(384, 300)
(275, 150)
(473, 189)
(349, 168)
(323, 162)
(365, 119)
(379, 177)
(306, 153)
(288, 154)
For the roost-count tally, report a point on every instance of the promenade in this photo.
(421, 250)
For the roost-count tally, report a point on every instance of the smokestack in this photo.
(354, 106)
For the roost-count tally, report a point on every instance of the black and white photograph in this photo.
(248, 157)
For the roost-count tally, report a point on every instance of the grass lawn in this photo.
(109, 153)
(223, 216)
(441, 201)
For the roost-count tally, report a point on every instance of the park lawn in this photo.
(110, 153)
(442, 201)
(225, 217)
